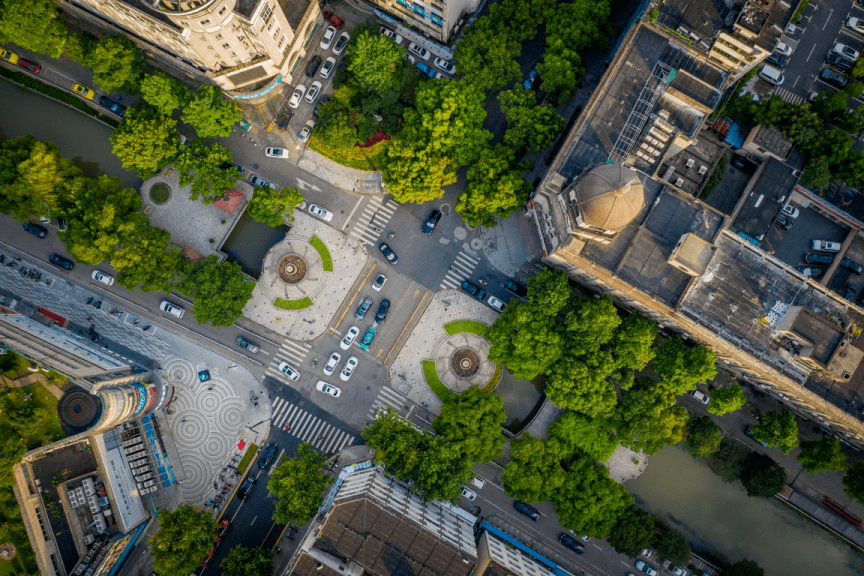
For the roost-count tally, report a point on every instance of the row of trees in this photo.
(106, 224)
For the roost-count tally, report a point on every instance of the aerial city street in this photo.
(449, 287)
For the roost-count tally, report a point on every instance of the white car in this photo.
(328, 389)
(468, 494)
(306, 131)
(790, 211)
(496, 303)
(387, 33)
(845, 50)
(825, 246)
(297, 96)
(327, 68)
(289, 371)
(314, 90)
(349, 338)
(855, 24)
(378, 283)
(327, 39)
(271, 152)
(647, 569)
(419, 51)
(445, 65)
(646, 552)
(348, 370)
(478, 482)
(102, 277)
(700, 396)
(341, 43)
(321, 213)
(332, 362)
(783, 48)
(171, 308)
(677, 571)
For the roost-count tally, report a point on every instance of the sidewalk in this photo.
(343, 177)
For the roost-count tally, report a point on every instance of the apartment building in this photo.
(437, 19)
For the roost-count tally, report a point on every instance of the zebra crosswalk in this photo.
(460, 270)
(386, 397)
(788, 96)
(291, 352)
(376, 214)
(324, 437)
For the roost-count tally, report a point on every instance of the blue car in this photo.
(528, 83)
(426, 69)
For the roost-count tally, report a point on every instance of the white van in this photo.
(772, 75)
(495, 303)
(171, 308)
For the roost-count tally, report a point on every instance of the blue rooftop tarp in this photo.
(735, 136)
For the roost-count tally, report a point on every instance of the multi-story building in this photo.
(247, 47)
(437, 19)
(620, 211)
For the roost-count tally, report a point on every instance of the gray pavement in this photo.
(342, 177)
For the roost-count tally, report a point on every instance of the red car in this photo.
(223, 527)
(333, 19)
(208, 558)
(30, 66)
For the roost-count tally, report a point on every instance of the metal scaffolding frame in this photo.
(660, 75)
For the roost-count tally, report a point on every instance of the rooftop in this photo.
(700, 21)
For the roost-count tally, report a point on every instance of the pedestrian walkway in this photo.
(460, 270)
(376, 214)
(324, 437)
(291, 352)
(387, 397)
(788, 96)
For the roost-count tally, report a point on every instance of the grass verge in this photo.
(292, 304)
(326, 259)
(371, 159)
(160, 192)
(247, 458)
(496, 378)
(55, 93)
(466, 326)
(434, 382)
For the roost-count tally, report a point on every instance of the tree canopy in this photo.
(117, 64)
(647, 420)
(534, 472)
(761, 475)
(595, 437)
(184, 538)
(375, 61)
(164, 93)
(672, 545)
(34, 25)
(147, 259)
(726, 399)
(495, 188)
(744, 568)
(487, 54)
(589, 502)
(703, 437)
(34, 178)
(245, 561)
(529, 126)
(853, 482)
(219, 291)
(146, 141)
(472, 422)
(681, 367)
(823, 455)
(272, 207)
(209, 114)
(298, 484)
(777, 429)
(633, 532)
(207, 167)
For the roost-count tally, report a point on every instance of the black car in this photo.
(388, 253)
(112, 106)
(527, 510)
(852, 265)
(851, 289)
(778, 60)
(383, 309)
(267, 456)
(474, 290)
(840, 62)
(517, 289)
(35, 229)
(813, 258)
(569, 542)
(227, 165)
(834, 78)
(312, 67)
(783, 221)
(244, 343)
(61, 262)
(431, 222)
(245, 488)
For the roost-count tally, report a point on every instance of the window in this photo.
(276, 32)
(233, 54)
(281, 42)
(266, 14)
(205, 22)
(222, 11)
(226, 45)
(218, 36)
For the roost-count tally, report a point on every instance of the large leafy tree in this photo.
(244, 561)
(471, 421)
(633, 532)
(672, 545)
(146, 141)
(534, 472)
(375, 61)
(487, 54)
(589, 502)
(823, 455)
(726, 399)
(147, 258)
(594, 436)
(101, 215)
(703, 437)
(33, 25)
(336, 127)
(298, 484)
(416, 174)
(271, 207)
(219, 291)
(40, 180)
(584, 383)
(13, 151)
(648, 420)
(183, 540)
(117, 64)
(762, 476)
(853, 482)
(680, 367)
(209, 114)
(561, 70)
(777, 429)
(164, 93)
(495, 188)
(207, 167)
(529, 126)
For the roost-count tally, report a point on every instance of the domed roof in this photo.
(609, 196)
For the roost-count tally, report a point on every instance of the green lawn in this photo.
(160, 192)
(326, 259)
(434, 382)
(292, 304)
(496, 377)
(466, 326)
(370, 159)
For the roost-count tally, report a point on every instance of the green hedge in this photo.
(292, 304)
(466, 326)
(434, 382)
(496, 377)
(247, 458)
(55, 93)
(326, 259)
